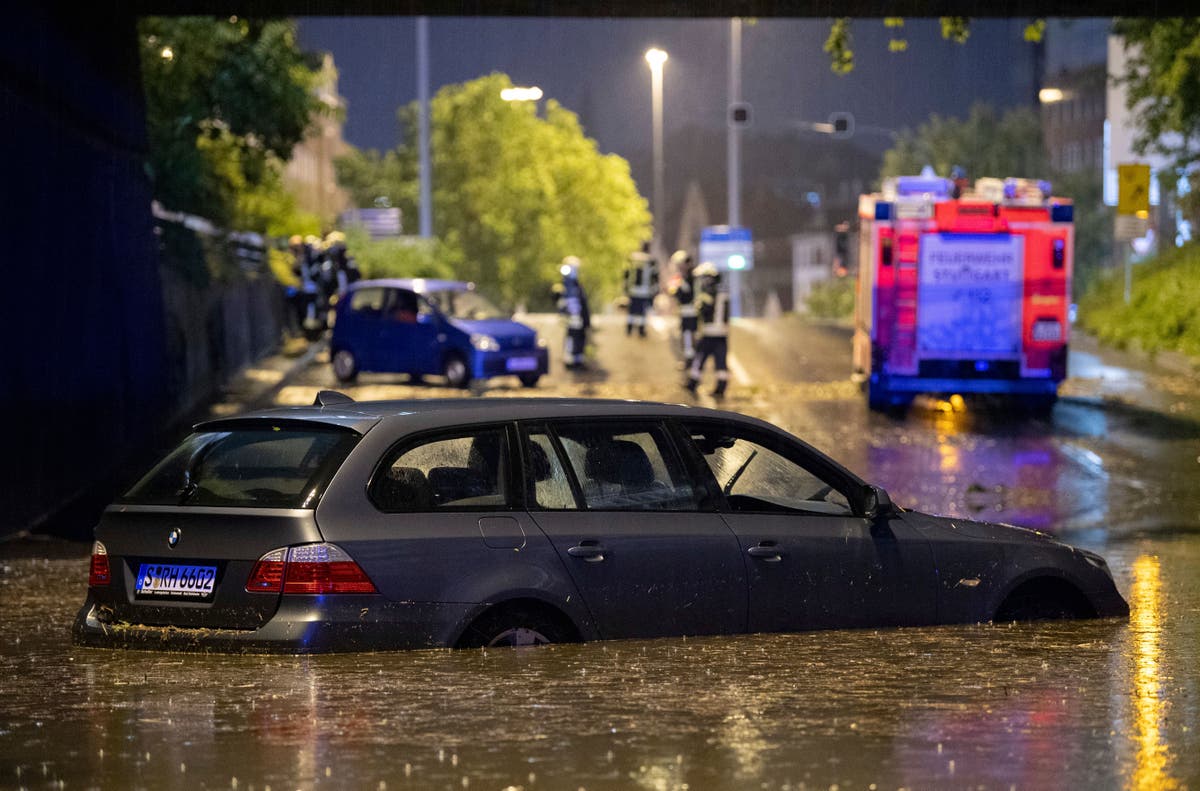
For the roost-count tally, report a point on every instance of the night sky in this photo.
(595, 67)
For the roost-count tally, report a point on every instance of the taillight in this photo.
(99, 576)
(310, 569)
(267, 576)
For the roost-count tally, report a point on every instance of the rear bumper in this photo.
(526, 362)
(301, 625)
(917, 384)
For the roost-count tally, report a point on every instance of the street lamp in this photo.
(656, 58)
(517, 94)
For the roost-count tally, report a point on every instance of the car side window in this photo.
(403, 306)
(627, 467)
(549, 486)
(464, 471)
(753, 477)
(367, 300)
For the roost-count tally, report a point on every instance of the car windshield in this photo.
(263, 467)
(465, 305)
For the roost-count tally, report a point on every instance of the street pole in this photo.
(426, 208)
(734, 152)
(656, 58)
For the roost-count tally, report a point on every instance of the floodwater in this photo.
(1086, 704)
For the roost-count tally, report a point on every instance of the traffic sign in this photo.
(729, 249)
(1133, 190)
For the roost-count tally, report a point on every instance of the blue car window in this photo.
(367, 300)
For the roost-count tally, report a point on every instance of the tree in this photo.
(984, 144)
(954, 28)
(1162, 82)
(513, 192)
(226, 101)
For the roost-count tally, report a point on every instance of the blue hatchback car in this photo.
(417, 327)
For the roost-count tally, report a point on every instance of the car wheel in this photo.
(507, 627)
(345, 366)
(456, 371)
(529, 380)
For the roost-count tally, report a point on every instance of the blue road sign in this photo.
(730, 249)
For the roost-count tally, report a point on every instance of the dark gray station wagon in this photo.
(414, 524)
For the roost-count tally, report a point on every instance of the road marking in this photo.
(735, 368)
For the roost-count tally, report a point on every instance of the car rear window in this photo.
(268, 466)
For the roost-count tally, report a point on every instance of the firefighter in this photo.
(641, 284)
(572, 303)
(337, 262)
(684, 292)
(712, 305)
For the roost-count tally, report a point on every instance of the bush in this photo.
(1164, 310)
(832, 299)
(398, 257)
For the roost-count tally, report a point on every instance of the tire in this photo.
(1037, 609)
(345, 365)
(505, 627)
(456, 371)
(529, 380)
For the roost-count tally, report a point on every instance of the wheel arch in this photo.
(525, 601)
(1045, 584)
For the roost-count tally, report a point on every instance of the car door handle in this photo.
(590, 551)
(768, 552)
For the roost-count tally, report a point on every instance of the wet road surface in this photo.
(1091, 704)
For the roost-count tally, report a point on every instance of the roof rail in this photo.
(332, 398)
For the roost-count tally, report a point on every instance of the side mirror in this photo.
(874, 502)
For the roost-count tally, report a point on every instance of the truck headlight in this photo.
(485, 343)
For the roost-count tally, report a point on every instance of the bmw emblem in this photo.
(173, 537)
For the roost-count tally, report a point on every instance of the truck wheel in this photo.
(529, 380)
(345, 366)
(456, 371)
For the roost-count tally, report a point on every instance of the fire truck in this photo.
(963, 290)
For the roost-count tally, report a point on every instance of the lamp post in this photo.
(656, 58)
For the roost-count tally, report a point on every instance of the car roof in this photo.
(420, 285)
(360, 415)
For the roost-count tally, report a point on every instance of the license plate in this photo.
(168, 579)
(522, 363)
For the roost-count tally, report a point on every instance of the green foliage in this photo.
(1035, 31)
(513, 193)
(832, 299)
(956, 29)
(1164, 312)
(1162, 82)
(841, 57)
(984, 144)
(398, 257)
(226, 101)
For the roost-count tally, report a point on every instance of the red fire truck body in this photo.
(963, 294)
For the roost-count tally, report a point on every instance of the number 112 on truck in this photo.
(963, 293)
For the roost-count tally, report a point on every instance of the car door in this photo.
(358, 327)
(440, 523)
(811, 562)
(408, 333)
(646, 551)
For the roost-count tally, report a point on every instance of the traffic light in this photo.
(739, 114)
(842, 123)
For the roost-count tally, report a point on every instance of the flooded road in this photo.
(1089, 704)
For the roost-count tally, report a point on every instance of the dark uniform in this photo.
(572, 303)
(641, 284)
(712, 304)
(685, 294)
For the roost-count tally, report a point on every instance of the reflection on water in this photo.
(1151, 770)
(1091, 704)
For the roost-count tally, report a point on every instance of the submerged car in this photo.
(416, 524)
(431, 327)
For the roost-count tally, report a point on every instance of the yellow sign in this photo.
(1133, 194)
